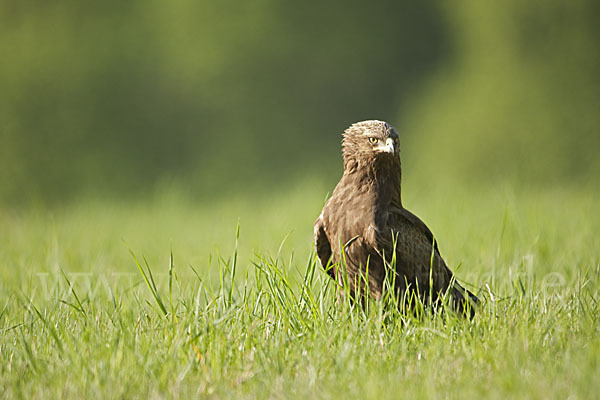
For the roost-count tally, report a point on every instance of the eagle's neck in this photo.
(383, 177)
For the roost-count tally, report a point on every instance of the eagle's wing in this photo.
(323, 246)
(417, 255)
(414, 246)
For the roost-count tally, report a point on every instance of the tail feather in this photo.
(464, 301)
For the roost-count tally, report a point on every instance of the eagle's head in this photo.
(370, 142)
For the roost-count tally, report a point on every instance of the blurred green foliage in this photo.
(520, 98)
(118, 97)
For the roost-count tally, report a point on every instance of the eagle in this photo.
(364, 234)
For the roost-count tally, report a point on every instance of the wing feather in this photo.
(415, 256)
(323, 246)
(418, 257)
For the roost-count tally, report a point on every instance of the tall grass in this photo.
(267, 322)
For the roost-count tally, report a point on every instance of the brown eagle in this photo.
(364, 230)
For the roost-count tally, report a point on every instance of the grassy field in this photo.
(255, 317)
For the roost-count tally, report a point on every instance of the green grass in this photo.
(198, 315)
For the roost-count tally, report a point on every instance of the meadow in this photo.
(162, 163)
(165, 297)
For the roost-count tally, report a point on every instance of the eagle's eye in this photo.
(373, 140)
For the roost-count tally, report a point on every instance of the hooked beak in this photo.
(388, 147)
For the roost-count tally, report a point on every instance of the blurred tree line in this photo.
(116, 97)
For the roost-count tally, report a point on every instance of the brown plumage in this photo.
(365, 218)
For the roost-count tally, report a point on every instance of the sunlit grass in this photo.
(210, 311)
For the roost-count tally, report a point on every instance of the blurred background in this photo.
(119, 99)
(164, 125)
